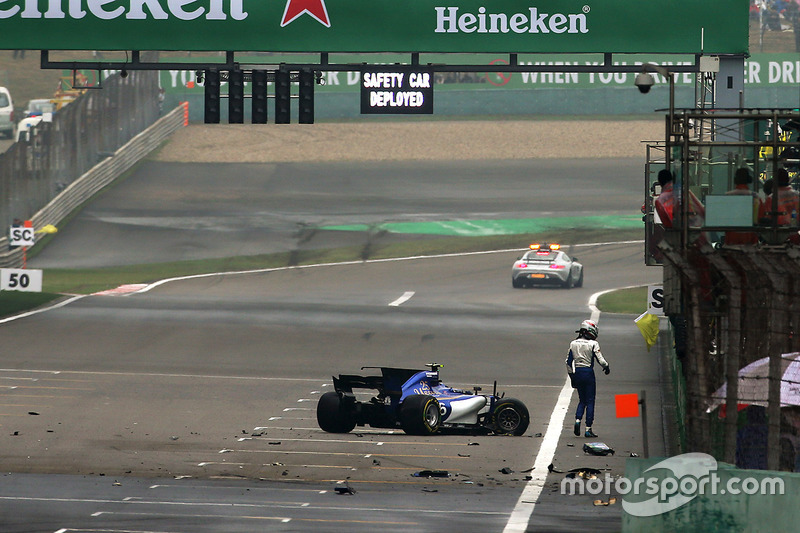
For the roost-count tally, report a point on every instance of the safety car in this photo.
(546, 264)
(417, 402)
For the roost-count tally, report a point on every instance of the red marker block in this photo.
(627, 405)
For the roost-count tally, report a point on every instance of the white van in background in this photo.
(6, 113)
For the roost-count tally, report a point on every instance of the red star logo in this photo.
(315, 8)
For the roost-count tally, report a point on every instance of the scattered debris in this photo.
(464, 455)
(376, 462)
(597, 448)
(183, 477)
(116, 484)
(506, 470)
(474, 444)
(634, 454)
(425, 489)
(550, 468)
(431, 473)
(584, 473)
(346, 490)
(225, 450)
(174, 437)
(538, 435)
(571, 445)
(34, 413)
(275, 443)
(611, 501)
(257, 432)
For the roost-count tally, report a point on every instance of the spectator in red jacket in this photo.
(741, 181)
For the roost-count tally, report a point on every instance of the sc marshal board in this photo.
(396, 91)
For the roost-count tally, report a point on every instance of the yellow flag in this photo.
(49, 228)
(648, 325)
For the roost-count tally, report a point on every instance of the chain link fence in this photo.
(731, 259)
(81, 135)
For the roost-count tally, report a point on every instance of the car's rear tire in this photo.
(510, 417)
(579, 283)
(332, 414)
(516, 283)
(570, 282)
(420, 415)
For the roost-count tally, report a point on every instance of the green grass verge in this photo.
(87, 281)
(629, 301)
(12, 302)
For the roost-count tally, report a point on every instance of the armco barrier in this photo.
(98, 177)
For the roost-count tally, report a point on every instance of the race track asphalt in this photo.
(175, 381)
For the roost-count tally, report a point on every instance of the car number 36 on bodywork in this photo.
(417, 402)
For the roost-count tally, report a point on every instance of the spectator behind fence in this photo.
(788, 204)
(666, 202)
(741, 181)
(788, 200)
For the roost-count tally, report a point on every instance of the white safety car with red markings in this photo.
(546, 264)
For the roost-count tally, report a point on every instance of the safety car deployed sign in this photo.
(396, 90)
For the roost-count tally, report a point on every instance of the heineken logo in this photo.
(155, 10)
(315, 8)
(448, 19)
(346, 26)
(135, 9)
(453, 20)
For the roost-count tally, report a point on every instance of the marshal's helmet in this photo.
(589, 329)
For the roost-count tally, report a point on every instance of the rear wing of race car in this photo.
(347, 382)
(390, 382)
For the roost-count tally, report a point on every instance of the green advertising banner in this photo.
(760, 70)
(502, 26)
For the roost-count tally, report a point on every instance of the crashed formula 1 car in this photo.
(417, 402)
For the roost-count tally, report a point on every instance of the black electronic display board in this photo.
(397, 90)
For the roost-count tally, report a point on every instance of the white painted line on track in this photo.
(521, 515)
(297, 267)
(370, 442)
(157, 375)
(43, 309)
(403, 299)
(344, 263)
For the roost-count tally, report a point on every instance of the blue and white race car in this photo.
(417, 402)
